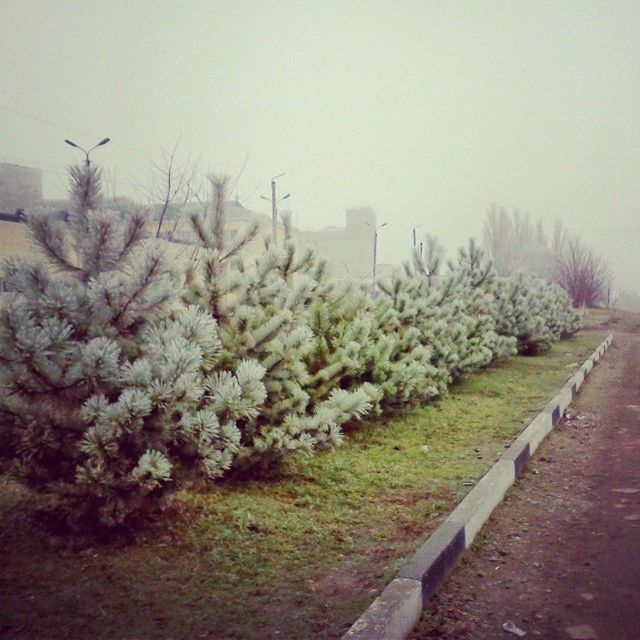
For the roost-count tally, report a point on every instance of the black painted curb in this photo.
(396, 611)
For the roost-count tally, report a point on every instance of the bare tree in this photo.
(173, 184)
(498, 231)
(560, 237)
(583, 274)
(516, 243)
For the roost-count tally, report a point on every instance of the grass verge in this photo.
(296, 557)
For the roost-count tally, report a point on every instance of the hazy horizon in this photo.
(428, 112)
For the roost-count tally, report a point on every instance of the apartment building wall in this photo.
(20, 187)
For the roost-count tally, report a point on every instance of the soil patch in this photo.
(560, 558)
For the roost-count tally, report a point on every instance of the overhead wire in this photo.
(68, 129)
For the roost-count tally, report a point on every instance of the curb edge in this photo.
(395, 612)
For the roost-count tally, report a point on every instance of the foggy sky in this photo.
(426, 111)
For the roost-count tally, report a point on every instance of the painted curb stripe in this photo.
(393, 615)
(433, 561)
(519, 453)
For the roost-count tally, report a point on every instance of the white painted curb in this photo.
(396, 611)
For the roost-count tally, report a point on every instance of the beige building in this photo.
(348, 249)
(14, 236)
(20, 187)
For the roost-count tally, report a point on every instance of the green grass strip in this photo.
(299, 556)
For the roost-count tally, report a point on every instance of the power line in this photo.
(67, 129)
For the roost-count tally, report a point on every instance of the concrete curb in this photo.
(394, 613)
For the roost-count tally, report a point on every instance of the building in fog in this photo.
(348, 249)
(14, 236)
(20, 187)
(20, 190)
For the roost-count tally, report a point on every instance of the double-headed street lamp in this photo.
(274, 206)
(86, 153)
(375, 250)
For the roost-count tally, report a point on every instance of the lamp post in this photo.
(86, 153)
(375, 251)
(413, 233)
(274, 206)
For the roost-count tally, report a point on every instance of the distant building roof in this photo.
(233, 209)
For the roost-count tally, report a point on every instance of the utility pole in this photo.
(375, 252)
(274, 207)
(274, 212)
(413, 233)
(375, 258)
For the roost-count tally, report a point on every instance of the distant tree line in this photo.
(519, 244)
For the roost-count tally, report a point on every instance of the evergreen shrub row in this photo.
(125, 376)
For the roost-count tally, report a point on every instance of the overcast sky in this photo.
(426, 111)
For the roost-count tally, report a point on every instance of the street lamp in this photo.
(86, 153)
(375, 250)
(274, 206)
(413, 233)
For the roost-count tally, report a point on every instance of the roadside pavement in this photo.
(560, 557)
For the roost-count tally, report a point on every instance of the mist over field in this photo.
(428, 112)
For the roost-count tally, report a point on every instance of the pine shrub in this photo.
(110, 391)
